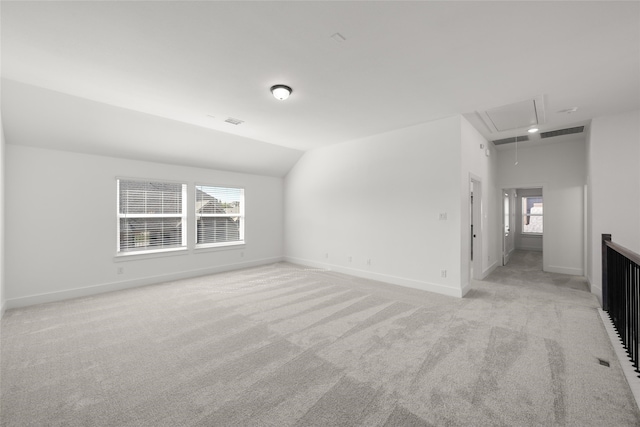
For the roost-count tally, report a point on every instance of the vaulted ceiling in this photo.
(158, 80)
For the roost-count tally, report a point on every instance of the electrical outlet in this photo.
(241, 254)
(350, 259)
(120, 270)
(443, 273)
(326, 255)
(369, 261)
(443, 216)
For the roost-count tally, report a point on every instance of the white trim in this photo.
(380, 277)
(477, 243)
(530, 248)
(621, 354)
(596, 291)
(134, 283)
(489, 269)
(156, 252)
(3, 306)
(465, 288)
(564, 270)
(221, 245)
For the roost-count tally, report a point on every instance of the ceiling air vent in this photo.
(234, 121)
(560, 132)
(511, 140)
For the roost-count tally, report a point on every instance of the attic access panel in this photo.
(515, 116)
(518, 115)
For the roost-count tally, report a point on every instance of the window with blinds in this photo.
(532, 211)
(219, 216)
(151, 216)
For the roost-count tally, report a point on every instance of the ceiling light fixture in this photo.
(281, 92)
(533, 130)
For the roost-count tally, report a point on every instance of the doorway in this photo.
(522, 210)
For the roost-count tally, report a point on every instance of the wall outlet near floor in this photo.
(442, 216)
(242, 254)
(326, 255)
(350, 259)
(120, 270)
(443, 273)
(369, 261)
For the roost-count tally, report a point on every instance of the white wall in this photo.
(476, 163)
(523, 241)
(371, 207)
(560, 170)
(2, 204)
(61, 225)
(614, 188)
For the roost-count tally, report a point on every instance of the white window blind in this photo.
(532, 211)
(219, 216)
(151, 216)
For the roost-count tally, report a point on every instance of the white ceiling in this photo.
(402, 63)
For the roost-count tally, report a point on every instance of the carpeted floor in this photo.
(282, 345)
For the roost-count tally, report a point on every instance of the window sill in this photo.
(219, 246)
(130, 256)
(532, 234)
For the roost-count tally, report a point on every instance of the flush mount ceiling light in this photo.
(533, 130)
(281, 92)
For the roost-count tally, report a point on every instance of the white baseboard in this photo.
(529, 248)
(597, 292)
(564, 270)
(3, 306)
(487, 271)
(381, 277)
(465, 288)
(128, 284)
(625, 363)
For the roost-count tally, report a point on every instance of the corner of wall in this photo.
(2, 164)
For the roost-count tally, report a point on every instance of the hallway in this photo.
(525, 269)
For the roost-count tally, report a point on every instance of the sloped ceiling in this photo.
(401, 63)
(49, 119)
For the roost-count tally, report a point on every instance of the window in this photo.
(507, 226)
(219, 216)
(532, 215)
(151, 216)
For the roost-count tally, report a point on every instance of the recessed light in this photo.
(533, 130)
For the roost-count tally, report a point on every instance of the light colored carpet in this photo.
(281, 345)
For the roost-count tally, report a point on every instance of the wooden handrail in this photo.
(624, 251)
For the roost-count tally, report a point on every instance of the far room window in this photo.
(532, 215)
(219, 216)
(507, 226)
(151, 216)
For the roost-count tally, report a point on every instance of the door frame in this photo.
(475, 211)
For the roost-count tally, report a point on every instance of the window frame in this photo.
(240, 215)
(529, 215)
(182, 215)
